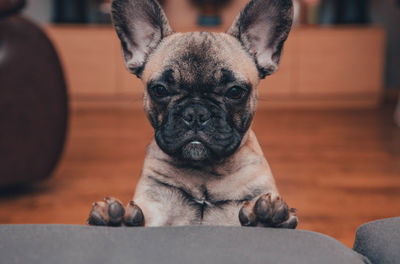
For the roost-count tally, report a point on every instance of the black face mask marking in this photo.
(199, 123)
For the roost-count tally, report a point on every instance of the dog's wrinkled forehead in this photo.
(200, 56)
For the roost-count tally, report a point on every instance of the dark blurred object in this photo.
(209, 11)
(344, 12)
(353, 11)
(82, 11)
(33, 102)
(70, 11)
(99, 11)
(8, 7)
(397, 113)
(329, 12)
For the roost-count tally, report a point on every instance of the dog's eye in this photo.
(235, 93)
(160, 91)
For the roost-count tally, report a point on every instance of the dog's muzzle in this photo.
(195, 131)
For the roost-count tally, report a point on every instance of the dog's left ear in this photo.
(262, 27)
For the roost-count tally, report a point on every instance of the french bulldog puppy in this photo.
(204, 166)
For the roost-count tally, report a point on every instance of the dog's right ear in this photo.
(140, 25)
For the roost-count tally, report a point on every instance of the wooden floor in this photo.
(339, 168)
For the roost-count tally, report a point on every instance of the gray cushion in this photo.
(379, 241)
(200, 244)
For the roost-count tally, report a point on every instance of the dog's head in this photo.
(201, 88)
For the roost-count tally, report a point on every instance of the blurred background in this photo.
(73, 130)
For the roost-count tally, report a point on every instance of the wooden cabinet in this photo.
(320, 67)
(88, 56)
(328, 67)
(340, 61)
(282, 83)
(94, 67)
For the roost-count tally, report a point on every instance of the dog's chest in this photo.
(206, 203)
(210, 208)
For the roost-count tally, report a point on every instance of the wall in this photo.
(385, 12)
(39, 10)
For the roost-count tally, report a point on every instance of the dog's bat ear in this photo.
(140, 25)
(262, 27)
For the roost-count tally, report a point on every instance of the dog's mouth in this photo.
(189, 146)
(195, 150)
(198, 147)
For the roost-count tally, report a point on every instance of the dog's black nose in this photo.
(196, 115)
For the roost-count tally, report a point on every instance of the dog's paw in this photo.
(111, 212)
(133, 215)
(267, 211)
